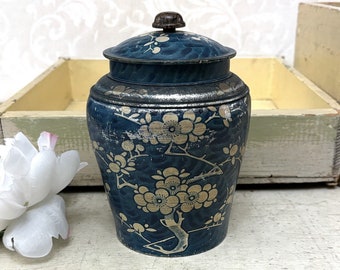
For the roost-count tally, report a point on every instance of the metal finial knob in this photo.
(169, 21)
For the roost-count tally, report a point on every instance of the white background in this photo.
(34, 33)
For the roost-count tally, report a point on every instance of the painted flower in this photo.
(231, 151)
(171, 180)
(195, 197)
(199, 128)
(161, 200)
(225, 113)
(218, 217)
(171, 184)
(119, 164)
(132, 149)
(96, 146)
(154, 43)
(29, 178)
(212, 194)
(146, 136)
(170, 129)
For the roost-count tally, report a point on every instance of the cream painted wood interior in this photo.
(65, 86)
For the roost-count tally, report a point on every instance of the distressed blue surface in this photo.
(130, 152)
(177, 46)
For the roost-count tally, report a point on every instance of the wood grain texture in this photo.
(317, 47)
(268, 229)
(291, 146)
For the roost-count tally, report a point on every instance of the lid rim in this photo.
(167, 61)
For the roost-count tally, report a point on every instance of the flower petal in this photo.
(170, 117)
(162, 39)
(149, 197)
(182, 196)
(24, 145)
(186, 126)
(165, 210)
(139, 199)
(3, 151)
(189, 115)
(164, 139)
(199, 129)
(156, 128)
(202, 196)
(162, 192)
(212, 194)
(17, 155)
(47, 141)
(12, 198)
(194, 189)
(187, 207)
(170, 171)
(172, 201)
(68, 164)
(152, 207)
(40, 176)
(10, 209)
(31, 234)
(180, 139)
(120, 159)
(16, 162)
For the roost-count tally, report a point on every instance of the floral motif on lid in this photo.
(176, 46)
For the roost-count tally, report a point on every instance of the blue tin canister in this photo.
(169, 125)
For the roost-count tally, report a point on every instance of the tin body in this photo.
(169, 132)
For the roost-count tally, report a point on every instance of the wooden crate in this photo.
(317, 47)
(292, 133)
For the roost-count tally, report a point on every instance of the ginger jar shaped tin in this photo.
(169, 125)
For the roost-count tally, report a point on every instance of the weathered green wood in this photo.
(291, 146)
(72, 132)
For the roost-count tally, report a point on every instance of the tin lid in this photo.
(169, 46)
(169, 68)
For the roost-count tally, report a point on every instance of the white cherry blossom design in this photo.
(171, 129)
(153, 44)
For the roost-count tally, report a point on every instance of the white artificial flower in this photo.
(29, 182)
(31, 234)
